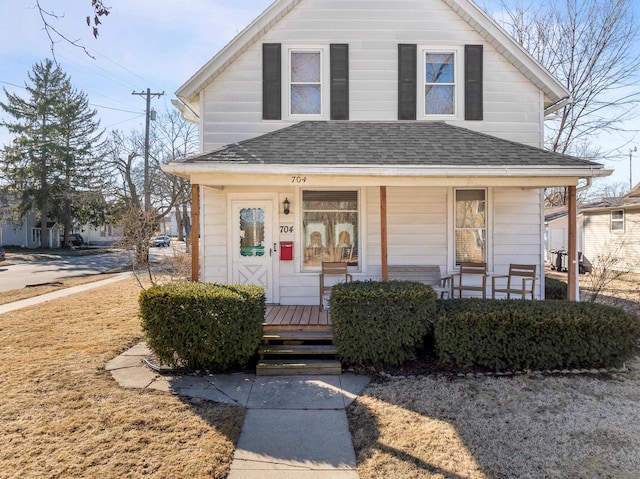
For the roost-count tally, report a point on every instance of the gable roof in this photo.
(552, 213)
(493, 33)
(417, 148)
(630, 200)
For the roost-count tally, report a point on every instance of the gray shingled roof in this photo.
(385, 143)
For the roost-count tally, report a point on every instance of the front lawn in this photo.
(62, 415)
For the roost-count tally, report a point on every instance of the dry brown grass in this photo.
(523, 427)
(63, 416)
(10, 296)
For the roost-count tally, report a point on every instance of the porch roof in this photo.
(425, 146)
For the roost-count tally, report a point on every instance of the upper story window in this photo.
(470, 226)
(301, 81)
(439, 83)
(617, 220)
(305, 82)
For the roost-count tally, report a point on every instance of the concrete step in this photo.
(302, 349)
(296, 367)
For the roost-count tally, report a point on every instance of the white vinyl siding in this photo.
(517, 227)
(213, 242)
(601, 242)
(232, 104)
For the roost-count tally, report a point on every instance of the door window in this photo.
(252, 232)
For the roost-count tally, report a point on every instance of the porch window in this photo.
(330, 227)
(439, 83)
(470, 226)
(617, 220)
(305, 80)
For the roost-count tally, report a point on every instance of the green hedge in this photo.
(511, 335)
(203, 326)
(381, 323)
(554, 288)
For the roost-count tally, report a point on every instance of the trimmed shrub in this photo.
(516, 334)
(381, 323)
(554, 288)
(203, 326)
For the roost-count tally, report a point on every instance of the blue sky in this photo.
(155, 44)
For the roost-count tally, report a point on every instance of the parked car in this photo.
(3, 254)
(72, 239)
(161, 241)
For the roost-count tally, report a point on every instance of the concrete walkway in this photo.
(295, 426)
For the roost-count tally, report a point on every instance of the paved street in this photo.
(19, 274)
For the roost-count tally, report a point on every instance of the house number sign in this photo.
(286, 229)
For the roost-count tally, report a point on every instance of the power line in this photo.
(112, 108)
(13, 84)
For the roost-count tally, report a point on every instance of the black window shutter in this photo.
(271, 82)
(407, 81)
(339, 70)
(473, 108)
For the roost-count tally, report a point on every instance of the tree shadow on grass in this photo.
(497, 427)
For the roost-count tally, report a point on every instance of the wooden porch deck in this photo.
(296, 317)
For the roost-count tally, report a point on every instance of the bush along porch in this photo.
(381, 324)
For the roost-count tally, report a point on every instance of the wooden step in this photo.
(296, 367)
(293, 327)
(294, 335)
(302, 349)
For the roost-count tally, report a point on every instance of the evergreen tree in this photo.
(78, 183)
(50, 158)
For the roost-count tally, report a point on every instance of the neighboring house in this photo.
(26, 233)
(378, 133)
(612, 230)
(556, 231)
(103, 235)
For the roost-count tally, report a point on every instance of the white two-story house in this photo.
(376, 133)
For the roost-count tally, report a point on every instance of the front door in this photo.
(253, 250)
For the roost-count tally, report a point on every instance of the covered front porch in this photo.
(389, 193)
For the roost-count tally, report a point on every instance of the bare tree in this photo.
(608, 265)
(173, 139)
(603, 190)
(98, 10)
(589, 45)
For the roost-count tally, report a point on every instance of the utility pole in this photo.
(631, 152)
(147, 190)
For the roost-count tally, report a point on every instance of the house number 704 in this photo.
(286, 229)
(298, 179)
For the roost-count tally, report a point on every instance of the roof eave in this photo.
(190, 90)
(187, 169)
(512, 50)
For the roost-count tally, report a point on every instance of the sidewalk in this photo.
(295, 427)
(6, 308)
